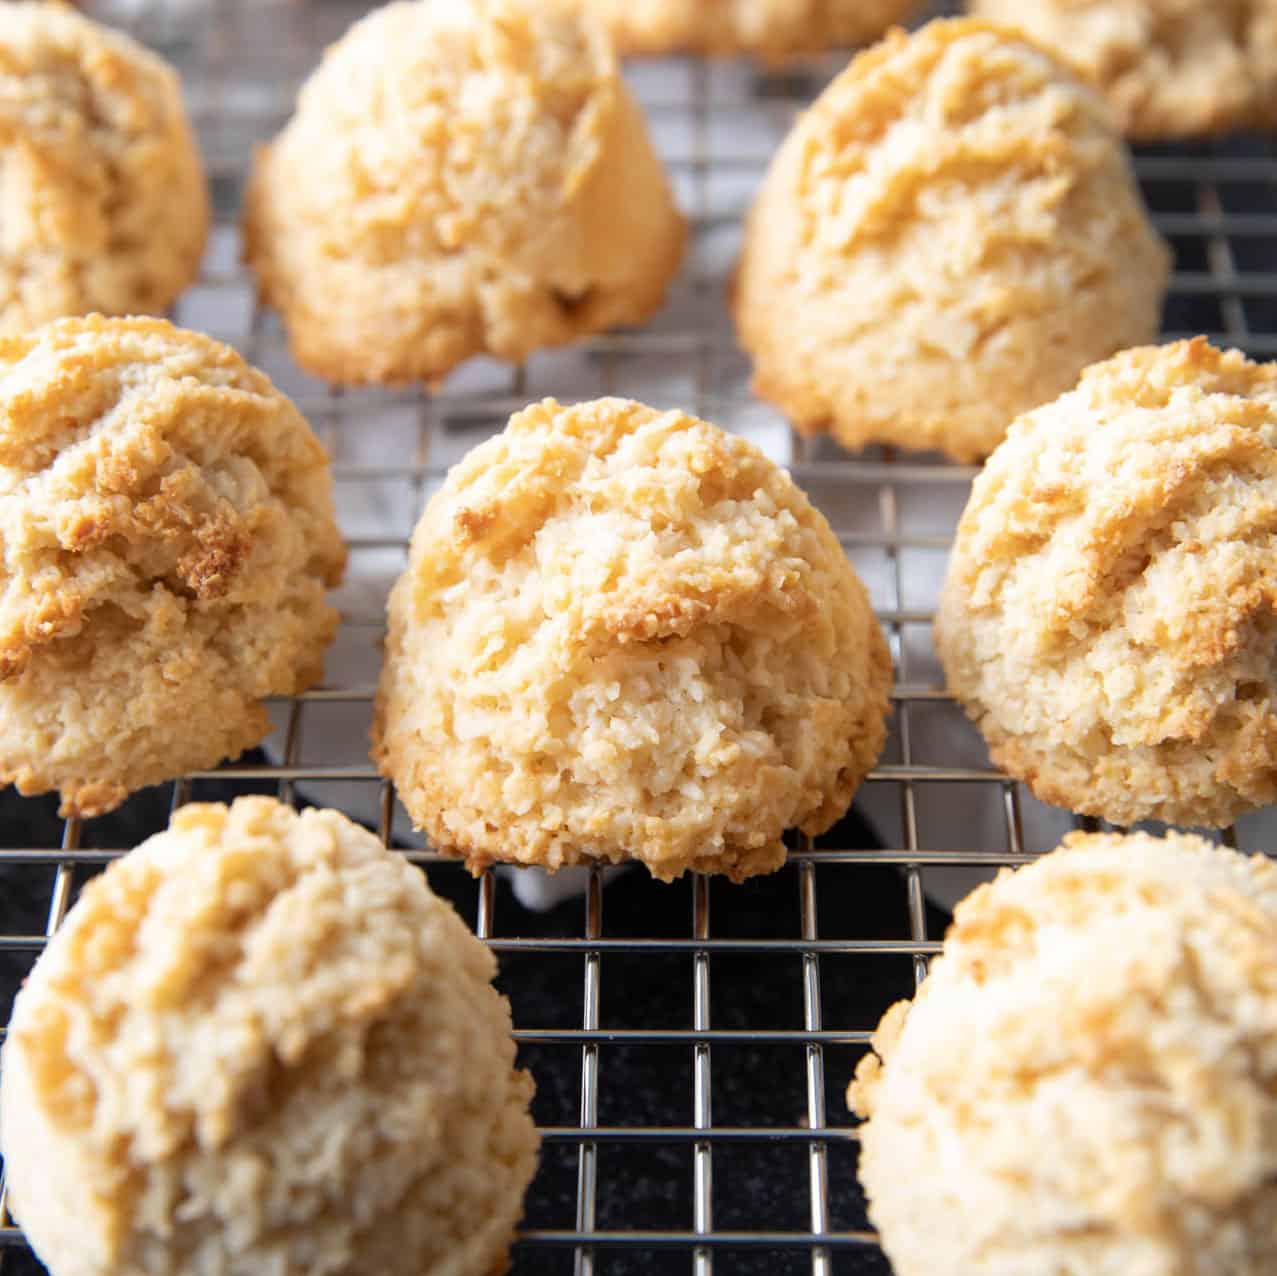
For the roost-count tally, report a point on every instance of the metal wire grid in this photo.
(1219, 206)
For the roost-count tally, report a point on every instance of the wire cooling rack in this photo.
(727, 1094)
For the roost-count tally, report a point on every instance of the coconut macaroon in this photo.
(1086, 1082)
(260, 1044)
(167, 525)
(1110, 612)
(946, 239)
(625, 634)
(461, 177)
(774, 30)
(1170, 68)
(103, 201)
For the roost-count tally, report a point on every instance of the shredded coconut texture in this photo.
(1086, 1082)
(259, 1044)
(1110, 613)
(1170, 68)
(166, 539)
(625, 634)
(103, 205)
(945, 240)
(774, 30)
(461, 177)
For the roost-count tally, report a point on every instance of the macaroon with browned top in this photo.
(1169, 68)
(772, 30)
(168, 536)
(461, 177)
(103, 202)
(624, 634)
(259, 1043)
(1086, 1081)
(945, 240)
(1109, 619)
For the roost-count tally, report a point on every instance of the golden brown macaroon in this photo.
(167, 526)
(1086, 1082)
(460, 178)
(261, 1044)
(103, 205)
(946, 239)
(1170, 68)
(774, 30)
(1110, 613)
(624, 634)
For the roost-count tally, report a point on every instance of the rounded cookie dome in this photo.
(1086, 1082)
(946, 239)
(167, 536)
(772, 29)
(624, 634)
(1169, 68)
(103, 205)
(461, 177)
(260, 1044)
(1110, 612)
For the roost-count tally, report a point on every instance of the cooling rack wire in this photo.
(943, 815)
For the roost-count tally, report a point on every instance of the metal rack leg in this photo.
(817, 1159)
(702, 1108)
(587, 1159)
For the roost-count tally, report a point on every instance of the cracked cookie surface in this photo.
(625, 634)
(1109, 618)
(774, 30)
(259, 1043)
(1169, 68)
(945, 240)
(1114, 1003)
(459, 179)
(168, 537)
(103, 205)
